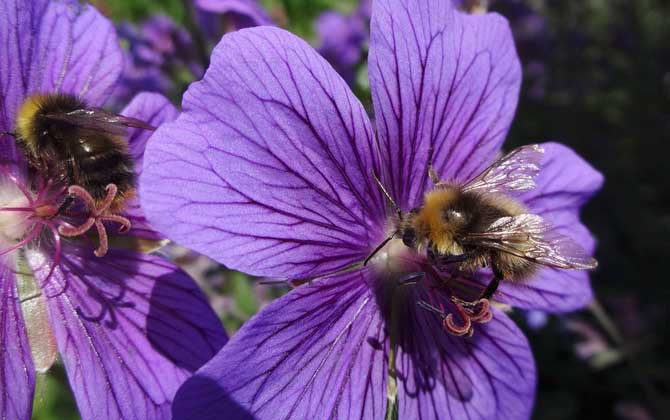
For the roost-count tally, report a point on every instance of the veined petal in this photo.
(53, 46)
(154, 109)
(564, 184)
(445, 87)
(269, 168)
(316, 353)
(130, 329)
(322, 352)
(488, 376)
(17, 373)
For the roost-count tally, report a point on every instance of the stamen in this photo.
(20, 209)
(101, 251)
(484, 314)
(478, 311)
(46, 211)
(57, 244)
(454, 329)
(70, 231)
(97, 214)
(124, 222)
(88, 200)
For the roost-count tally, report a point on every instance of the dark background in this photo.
(606, 82)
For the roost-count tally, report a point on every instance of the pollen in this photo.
(395, 257)
(14, 215)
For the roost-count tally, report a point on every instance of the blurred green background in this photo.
(597, 77)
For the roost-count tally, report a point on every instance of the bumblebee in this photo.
(476, 224)
(65, 140)
(85, 151)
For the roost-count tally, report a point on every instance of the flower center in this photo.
(64, 211)
(395, 258)
(440, 292)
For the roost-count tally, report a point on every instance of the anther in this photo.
(454, 329)
(478, 311)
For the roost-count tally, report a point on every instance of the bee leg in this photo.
(492, 287)
(434, 177)
(376, 250)
(438, 259)
(411, 278)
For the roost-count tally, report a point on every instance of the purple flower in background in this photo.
(530, 33)
(217, 17)
(158, 53)
(532, 39)
(281, 185)
(342, 39)
(130, 328)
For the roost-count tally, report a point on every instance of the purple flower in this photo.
(271, 170)
(530, 33)
(342, 38)
(159, 52)
(218, 17)
(130, 328)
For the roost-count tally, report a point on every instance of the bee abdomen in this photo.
(98, 167)
(512, 267)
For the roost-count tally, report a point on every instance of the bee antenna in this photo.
(379, 247)
(396, 208)
(2, 133)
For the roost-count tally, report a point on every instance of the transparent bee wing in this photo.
(514, 172)
(99, 120)
(529, 236)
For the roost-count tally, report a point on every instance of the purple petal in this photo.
(322, 351)
(53, 46)
(315, 353)
(564, 184)
(248, 11)
(154, 109)
(17, 373)
(130, 328)
(491, 375)
(268, 169)
(441, 81)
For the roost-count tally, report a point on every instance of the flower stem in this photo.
(392, 377)
(610, 327)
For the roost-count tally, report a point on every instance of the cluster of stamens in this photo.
(96, 214)
(439, 288)
(478, 311)
(65, 211)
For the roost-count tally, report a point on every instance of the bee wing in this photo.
(529, 236)
(99, 120)
(514, 172)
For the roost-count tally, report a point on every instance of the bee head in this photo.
(408, 229)
(409, 237)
